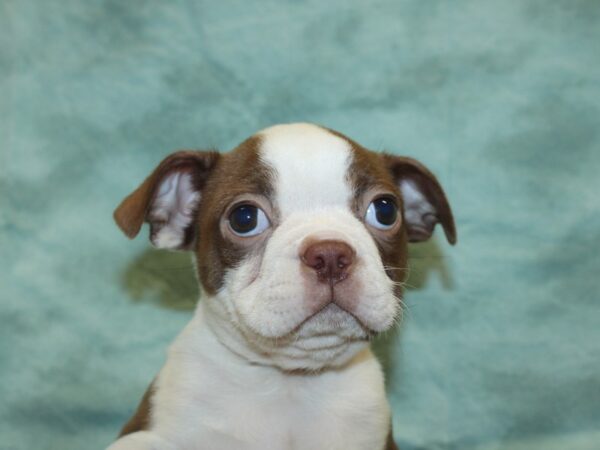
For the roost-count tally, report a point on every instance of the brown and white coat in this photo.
(277, 354)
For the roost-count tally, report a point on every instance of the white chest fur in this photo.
(209, 398)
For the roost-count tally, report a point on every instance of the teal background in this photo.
(500, 346)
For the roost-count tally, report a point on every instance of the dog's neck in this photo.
(206, 385)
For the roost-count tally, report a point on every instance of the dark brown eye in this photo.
(382, 213)
(248, 220)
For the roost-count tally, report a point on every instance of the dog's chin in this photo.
(329, 338)
(332, 320)
(296, 338)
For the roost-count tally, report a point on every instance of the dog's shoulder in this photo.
(390, 444)
(141, 418)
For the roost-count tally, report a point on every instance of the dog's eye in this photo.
(248, 220)
(382, 213)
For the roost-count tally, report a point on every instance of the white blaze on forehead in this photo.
(310, 165)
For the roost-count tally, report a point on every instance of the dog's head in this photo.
(300, 236)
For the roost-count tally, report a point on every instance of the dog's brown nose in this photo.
(331, 259)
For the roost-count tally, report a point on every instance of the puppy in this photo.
(300, 240)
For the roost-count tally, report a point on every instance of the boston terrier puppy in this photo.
(300, 242)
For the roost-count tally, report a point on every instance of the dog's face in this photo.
(300, 237)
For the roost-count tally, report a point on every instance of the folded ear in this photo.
(168, 200)
(424, 201)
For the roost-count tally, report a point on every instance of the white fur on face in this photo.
(268, 298)
(311, 166)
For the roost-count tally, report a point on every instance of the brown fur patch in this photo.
(141, 418)
(380, 170)
(238, 172)
(390, 444)
(368, 171)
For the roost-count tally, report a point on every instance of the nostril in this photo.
(319, 263)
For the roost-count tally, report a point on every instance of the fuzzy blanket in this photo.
(500, 344)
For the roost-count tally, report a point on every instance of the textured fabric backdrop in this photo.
(500, 347)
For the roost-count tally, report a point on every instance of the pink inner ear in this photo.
(419, 213)
(171, 211)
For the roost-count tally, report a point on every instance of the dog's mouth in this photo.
(334, 318)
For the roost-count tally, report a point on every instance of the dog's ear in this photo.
(424, 201)
(168, 200)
